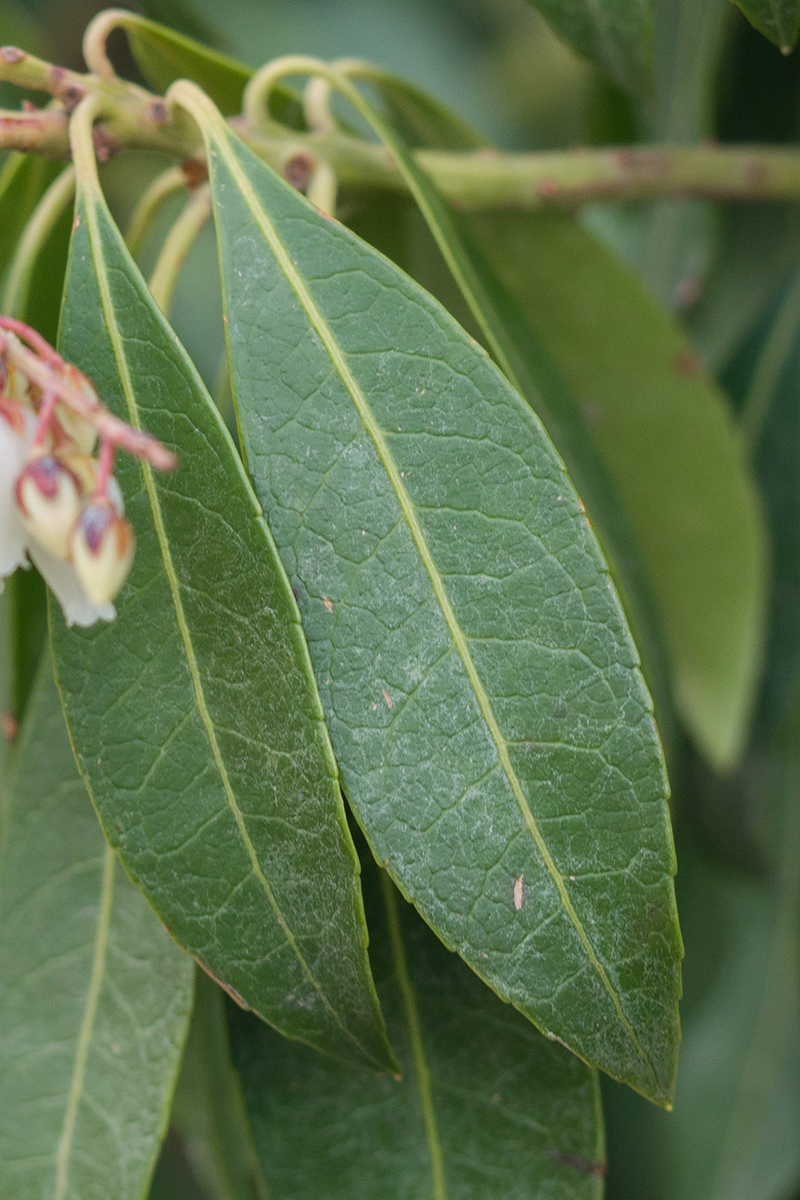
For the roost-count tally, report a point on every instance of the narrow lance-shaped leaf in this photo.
(23, 181)
(95, 996)
(666, 435)
(616, 34)
(194, 714)
(163, 55)
(503, 324)
(486, 1107)
(779, 20)
(483, 694)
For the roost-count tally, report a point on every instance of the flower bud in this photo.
(102, 548)
(49, 499)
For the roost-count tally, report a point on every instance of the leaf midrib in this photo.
(326, 336)
(77, 1082)
(90, 207)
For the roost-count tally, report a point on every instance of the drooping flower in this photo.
(61, 507)
(102, 549)
(17, 427)
(49, 499)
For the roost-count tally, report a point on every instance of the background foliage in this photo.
(727, 295)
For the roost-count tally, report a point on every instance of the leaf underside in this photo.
(222, 797)
(94, 995)
(483, 694)
(483, 1098)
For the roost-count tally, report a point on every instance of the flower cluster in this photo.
(60, 505)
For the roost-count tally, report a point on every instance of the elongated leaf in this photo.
(23, 181)
(733, 1133)
(94, 995)
(194, 715)
(502, 323)
(486, 1107)
(208, 1111)
(162, 55)
(667, 439)
(617, 34)
(420, 119)
(779, 20)
(481, 688)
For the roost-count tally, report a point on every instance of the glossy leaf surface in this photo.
(94, 995)
(779, 20)
(617, 34)
(481, 688)
(223, 797)
(486, 1107)
(667, 439)
(208, 1111)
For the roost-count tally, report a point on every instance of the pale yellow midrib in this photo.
(328, 340)
(421, 1071)
(75, 1093)
(194, 670)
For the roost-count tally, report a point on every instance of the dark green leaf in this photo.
(208, 1111)
(162, 55)
(733, 1133)
(617, 34)
(667, 439)
(194, 715)
(482, 690)
(421, 120)
(502, 322)
(487, 1107)
(779, 20)
(94, 995)
(182, 15)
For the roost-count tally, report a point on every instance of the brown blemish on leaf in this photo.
(10, 727)
(387, 698)
(328, 603)
(519, 892)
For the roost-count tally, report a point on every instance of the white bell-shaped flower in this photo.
(63, 582)
(102, 547)
(17, 426)
(49, 499)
